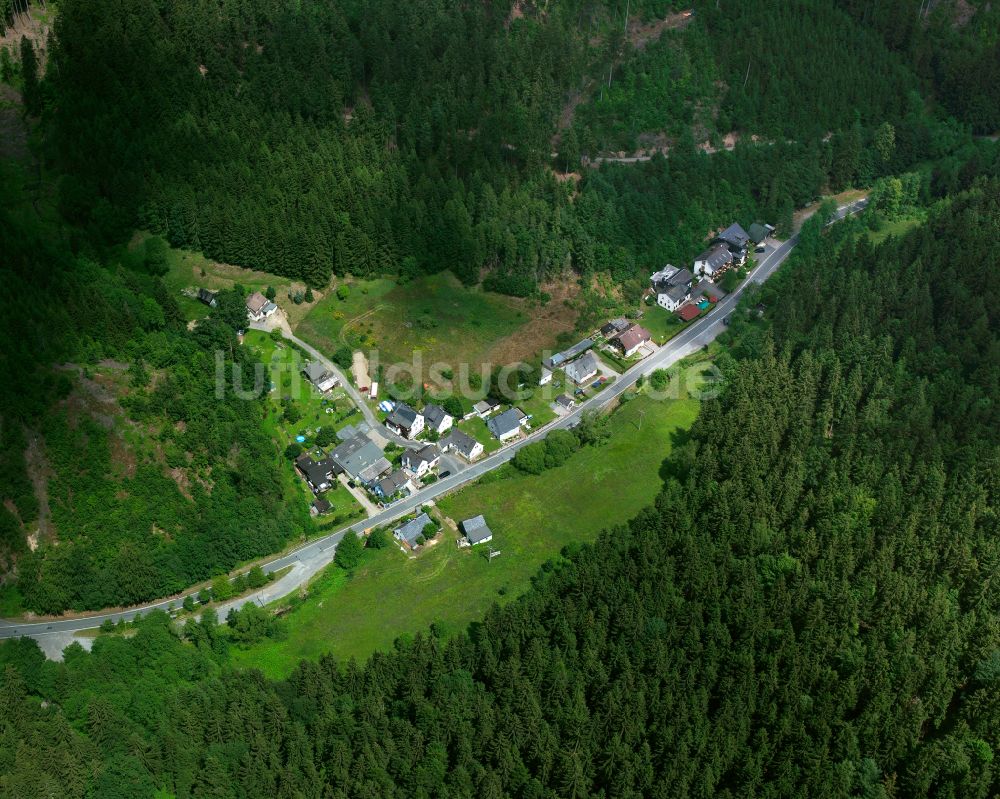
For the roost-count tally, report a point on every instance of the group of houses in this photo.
(685, 291)
(414, 531)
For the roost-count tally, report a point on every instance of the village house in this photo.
(759, 233)
(615, 328)
(546, 376)
(556, 361)
(419, 462)
(320, 376)
(319, 507)
(412, 530)
(632, 340)
(396, 483)
(405, 421)
(361, 460)
(318, 474)
(437, 419)
(485, 407)
(462, 443)
(507, 425)
(259, 307)
(566, 402)
(712, 261)
(476, 530)
(735, 239)
(672, 287)
(583, 369)
(208, 297)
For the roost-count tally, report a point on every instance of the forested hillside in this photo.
(139, 485)
(373, 138)
(806, 611)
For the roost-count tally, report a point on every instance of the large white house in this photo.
(405, 421)
(672, 287)
(259, 307)
(437, 419)
(712, 261)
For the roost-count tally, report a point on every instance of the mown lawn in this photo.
(435, 315)
(897, 227)
(532, 518)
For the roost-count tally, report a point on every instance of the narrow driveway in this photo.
(312, 557)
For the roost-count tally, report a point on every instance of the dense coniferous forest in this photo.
(806, 611)
(369, 138)
(124, 536)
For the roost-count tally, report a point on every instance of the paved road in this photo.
(310, 558)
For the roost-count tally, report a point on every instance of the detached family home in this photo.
(419, 462)
(712, 261)
(208, 297)
(583, 369)
(507, 425)
(320, 376)
(615, 328)
(259, 307)
(462, 443)
(632, 339)
(437, 419)
(361, 460)
(318, 474)
(476, 530)
(412, 530)
(405, 421)
(672, 287)
(396, 483)
(319, 507)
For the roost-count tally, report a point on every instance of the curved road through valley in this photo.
(314, 556)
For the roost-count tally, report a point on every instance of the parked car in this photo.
(761, 248)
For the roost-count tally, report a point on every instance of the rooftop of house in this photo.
(565, 401)
(463, 442)
(358, 454)
(434, 414)
(427, 454)
(317, 472)
(580, 370)
(315, 371)
(633, 337)
(716, 256)
(322, 505)
(614, 327)
(734, 236)
(569, 353)
(393, 483)
(505, 422)
(476, 529)
(759, 232)
(402, 416)
(680, 277)
(664, 274)
(256, 302)
(414, 528)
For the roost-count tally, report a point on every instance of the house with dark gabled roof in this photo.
(712, 261)
(405, 421)
(318, 474)
(319, 507)
(320, 376)
(583, 369)
(208, 297)
(419, 462)
(506, 425)
(615, 327)
(413, 529)
(361, 460)
(396, 483)
(476, 530)
(736, 239)
(672, 286)
(437, 419)
(462, 443)
(759, 232)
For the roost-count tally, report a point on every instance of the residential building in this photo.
(557, 360)
(437, 419)
(507, 425)
(320, 376)
(546, 376)
(615, 327)
(396, 483)
(632, 340)
(485, 407)
(259, 307)
(361, 460)
(208, 297)
(672, 286)
(462, 443)
(405, 421)
(319, 507)
(565, 402)
(734, 237)
(713, 260)
(413, 529)
(419, 462)
(583, 369)
(476, 530)
(318, 474)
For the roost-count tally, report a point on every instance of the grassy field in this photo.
(435, 316)
(896, 227)
(189, 269)
(532, 518)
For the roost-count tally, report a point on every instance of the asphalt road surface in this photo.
(311, 558)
